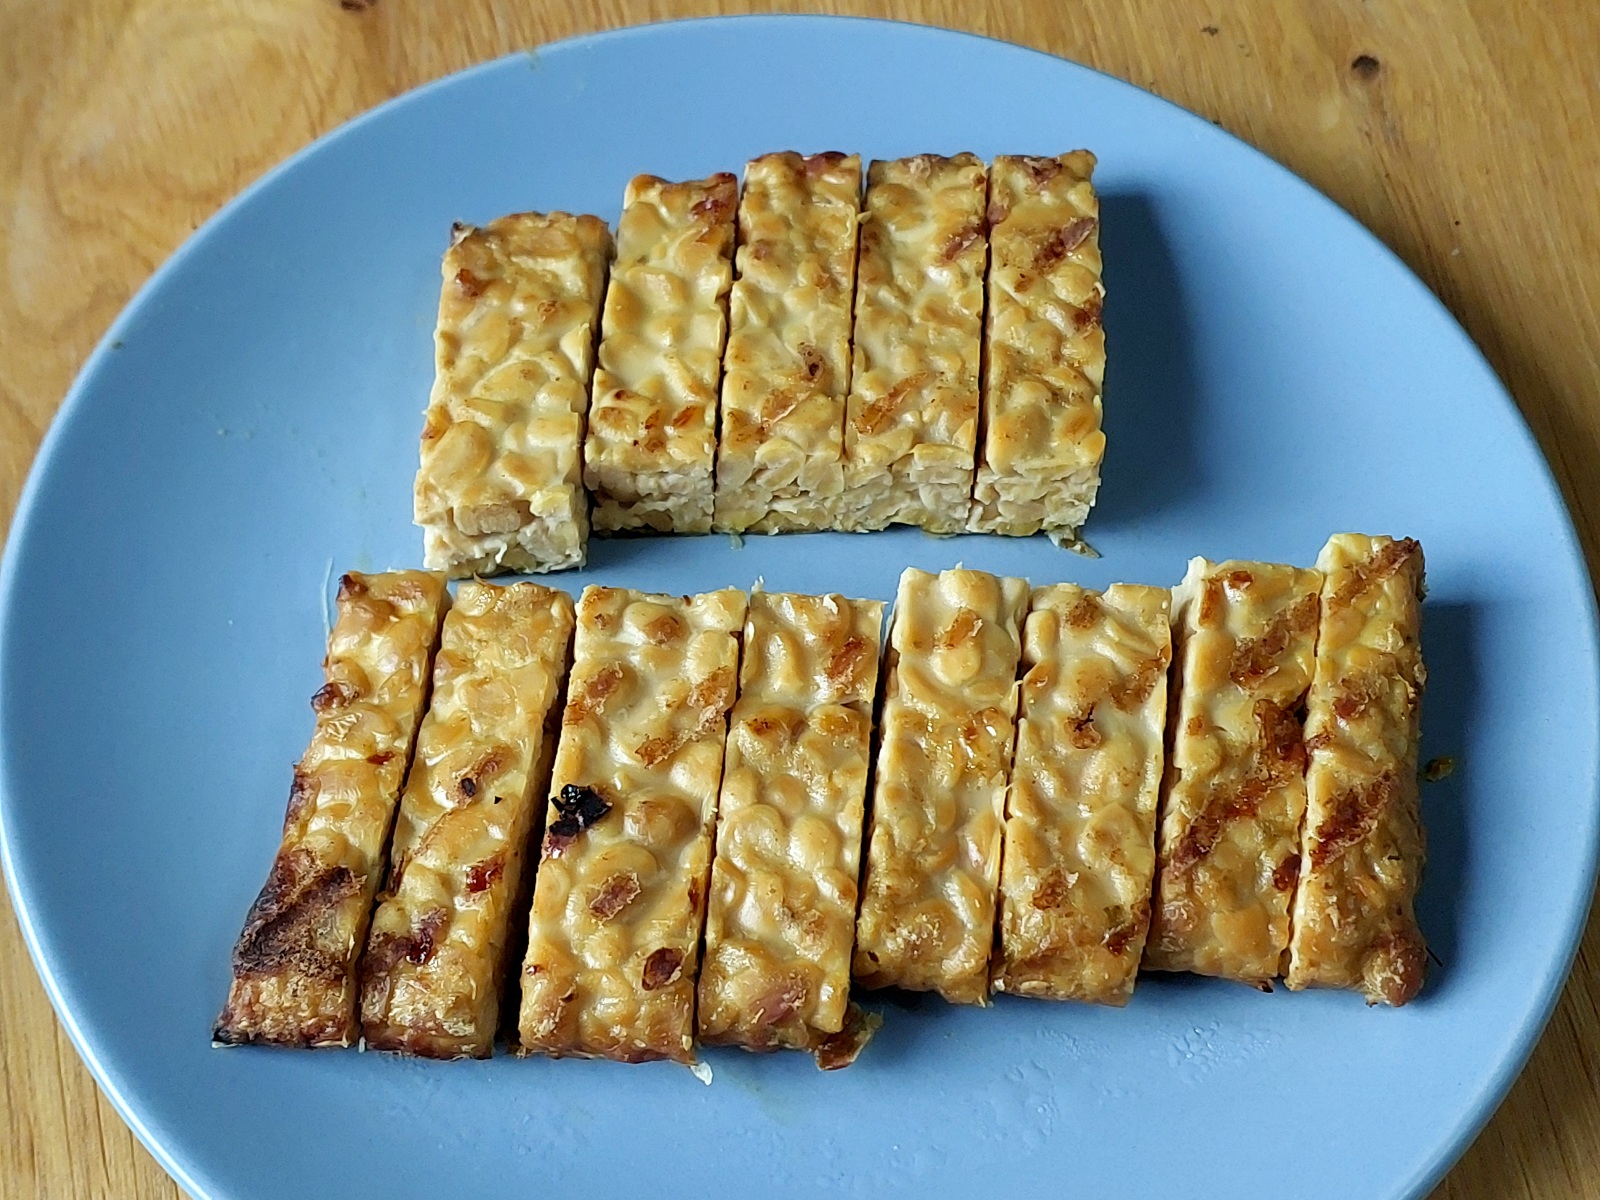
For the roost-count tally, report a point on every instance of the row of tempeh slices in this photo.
(697, 800)
(820, 389)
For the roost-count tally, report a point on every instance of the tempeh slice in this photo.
(786, 373)
(1363, 847)
(500, 486)
(933, 848)
(619, 900)
(1080, 840)
(1040, 450)
(781, 917)
(294, 965)
(436, 955)
(1234, 795)
(652, 441)
(912, 423)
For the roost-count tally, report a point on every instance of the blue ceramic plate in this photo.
(250, 424)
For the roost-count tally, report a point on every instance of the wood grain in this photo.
(1466, 134)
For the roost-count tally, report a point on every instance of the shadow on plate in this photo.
(1151, 388)
(1447, 708)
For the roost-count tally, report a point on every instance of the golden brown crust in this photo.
(1041, 447)
(933, 856)
(436, 954)
(1363, 849)
(1081, 813)
(1234, 794)
(780, 460)
(500, 486)
(911, 427)
(294, 966)
(619, 900)
(781, 918)
(652, 439)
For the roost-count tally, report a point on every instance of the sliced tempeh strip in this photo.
(500, 486)
(652, 440)
(294, 966)
(781, 921)
(1362, 851)
(619, 901)
(1040, 451)
(1080, 843)
(933, 859)
(1235, 792)
(912, 425)
(786, 374)
(436, 956)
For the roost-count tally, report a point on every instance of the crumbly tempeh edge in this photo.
(651, 447)
(619, 898)
(786, 371)
(911, 428)
(1234, 795)
(1362, 849)
(781, 919)
(1041, 444)
(500, 485)
(435, 960)
(294, 965)
(933, 846)
(1080, 831)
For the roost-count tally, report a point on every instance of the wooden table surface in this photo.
(1467, 135)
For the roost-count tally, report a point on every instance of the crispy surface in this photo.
(1235, 792)
(781, 918)
(933, 856)
(436, 954)
(499, 488)
(1080, 839)
(619, 900)
(912, 421)
(294, 966)
(652, 440)
(1362, 849)
(1039, 456)
(780, 462)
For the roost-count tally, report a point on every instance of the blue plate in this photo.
(249, 425)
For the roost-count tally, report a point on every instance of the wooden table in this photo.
(1466, 135)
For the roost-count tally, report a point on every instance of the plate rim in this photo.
(1473, 1117)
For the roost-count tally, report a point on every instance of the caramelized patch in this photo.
(1210, 602)
(618, 891)
(1081, 731)
(469, 284)
(963, 627)
(351, 587)
(416, 945)
(334, 694)
(846, 662)
(1040, 170)
(1129, 925)
(298, 905)
(662, 968)
(1287, 874)
(880, 413)
(1354, 815)
(779, 1003)
(481, 876)
(1054, 247)
(1085, 614)
(722, 194)
(662, 629)
(1384, 563)
(961, 240)
(1134, 689)
(1053, 892)
(1254, 659)
(301, 792)
(589, 697)
(843, 1048)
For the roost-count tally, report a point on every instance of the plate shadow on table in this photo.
(1448, 636)
(1151, 387)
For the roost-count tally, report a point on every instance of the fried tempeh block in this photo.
(436, 955)
(1235, 793)
(1040, 450)
(933, 844)
(1363, 847)
(781, 917)
(619, 900)
(786, 374)
(500, 486)
(912, 423)
(1080, 840)
(652, 440)
(294, 966)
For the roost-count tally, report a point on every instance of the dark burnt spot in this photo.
(351, 586)
(1209, 30)
(577, 808)
(297, 905)
(663, 967)
(811, 360)
(416, 946)
(843, 1048)
(1438, 768)
(470, 285)
(998, 212)
(331, 695)
(381, 758)
(1287, 874)
(1365, 67)
(469, 786)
